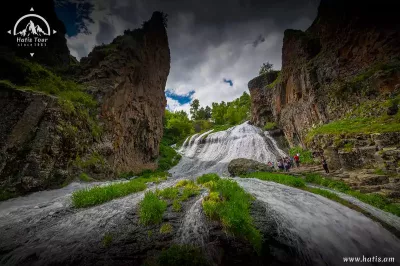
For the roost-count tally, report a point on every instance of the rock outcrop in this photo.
(52, 130)
(244, 166)
(128, 78)
(348, 55)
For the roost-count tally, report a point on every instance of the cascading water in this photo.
(320, 230)
(212, 152)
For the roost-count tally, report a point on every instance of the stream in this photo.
(43, 229)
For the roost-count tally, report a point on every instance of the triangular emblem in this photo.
(9, 32)
(32, 54)
(32, 9)
(54, 32)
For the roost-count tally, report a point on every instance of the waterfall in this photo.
(212, 152)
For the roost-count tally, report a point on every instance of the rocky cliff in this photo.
(104, 120)
(349, 54)
(128, 78)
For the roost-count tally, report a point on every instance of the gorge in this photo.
(82, 176)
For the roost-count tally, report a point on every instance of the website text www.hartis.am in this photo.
(369, 259)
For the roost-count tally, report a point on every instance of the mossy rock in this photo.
(243, 166)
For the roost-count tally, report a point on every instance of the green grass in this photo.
(326, 182)
(207, 178)
(182, 255)
(365, 125)
(189, 191)
(375, 200)
(379, 172)
(107, 240)
(166, 228)
(168, 193)
(151, 209)
(278, 178)
(85, 178)
(305, 155)
(100, 194)
(270, 125)
(176, 206)
(230, 204)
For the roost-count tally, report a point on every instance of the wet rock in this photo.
(243, 166)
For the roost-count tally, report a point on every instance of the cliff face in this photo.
(128, 78)
(53, 129)
(344, 58)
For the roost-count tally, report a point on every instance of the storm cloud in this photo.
(209, 40)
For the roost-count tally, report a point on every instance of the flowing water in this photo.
(43, 226)
(211, 152)
(321, 230)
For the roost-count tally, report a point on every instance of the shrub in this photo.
(151, 209)
(168, 157)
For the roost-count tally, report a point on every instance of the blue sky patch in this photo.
(181, 98)
(229, 81)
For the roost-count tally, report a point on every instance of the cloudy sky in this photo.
(216, 46)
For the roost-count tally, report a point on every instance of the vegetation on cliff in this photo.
(372, 116)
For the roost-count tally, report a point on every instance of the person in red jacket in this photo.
(297, 160)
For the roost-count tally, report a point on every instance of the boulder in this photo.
(244, 166)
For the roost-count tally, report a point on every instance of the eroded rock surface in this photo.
(343, 59)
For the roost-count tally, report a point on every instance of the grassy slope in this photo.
(368, 117)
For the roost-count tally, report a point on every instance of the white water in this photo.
(213, 153)
(194, 230)
(322, 231)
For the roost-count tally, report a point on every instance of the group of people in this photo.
(286, 163)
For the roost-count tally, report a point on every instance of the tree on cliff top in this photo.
(266, 68)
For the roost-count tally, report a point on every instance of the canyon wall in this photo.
(348, 55)
(102, 117)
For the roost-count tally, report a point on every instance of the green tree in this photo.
(177, 126)
(266, 68)
(194, 108)
(208, 112)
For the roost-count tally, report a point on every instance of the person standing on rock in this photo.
(325, 165)
(297, 160)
